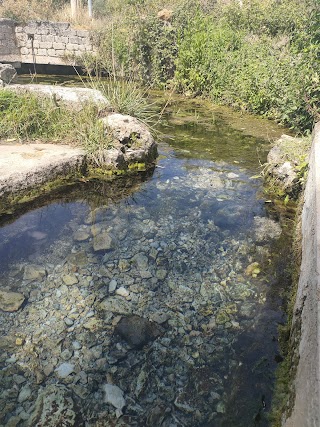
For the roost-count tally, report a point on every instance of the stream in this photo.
(155, 301)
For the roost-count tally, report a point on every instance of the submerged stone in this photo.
(55, 407)
(64, 370)
(70, 279)
(103, 241)
(34, 272)
(11, 301)
(137, 331)
(266, 229)
(114, 395)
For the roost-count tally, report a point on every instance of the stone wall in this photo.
(9, 51)
(306, 410)
(55, 43)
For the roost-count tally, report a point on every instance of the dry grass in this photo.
(26, 10)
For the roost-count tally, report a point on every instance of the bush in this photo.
(255, 59)
(27, 116)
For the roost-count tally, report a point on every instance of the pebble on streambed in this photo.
(142, 330)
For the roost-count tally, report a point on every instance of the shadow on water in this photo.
(192, 248)
(49, 212)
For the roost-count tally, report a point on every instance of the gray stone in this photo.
(64, 370)
(112, 285)
(24, 394)
(73, 97)
(70, 279)
(11, 301)
(76, 345)
(141, 260)
(281, 164)
(34, 272)
(54, 407)
(136, 141)
(114, 395)
(116, 305)
(7, 73)
(103, 241)
(66, 354)
(160, 317)
(123, 292)
(137, 331)
(45, 162)
(81, 235)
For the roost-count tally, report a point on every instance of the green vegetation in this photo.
(262, 57)
(30, 117)
(25, 116)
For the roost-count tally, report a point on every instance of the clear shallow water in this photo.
(178, 251)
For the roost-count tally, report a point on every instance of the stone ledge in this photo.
(26, 166)
(306, 409)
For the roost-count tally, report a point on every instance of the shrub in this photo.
(268, 65)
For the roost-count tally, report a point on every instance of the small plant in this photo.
(28, 117)
(25, 116)
(93, 137)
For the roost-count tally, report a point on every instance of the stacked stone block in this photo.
(44, 43)
(9, 51)
(52, 43)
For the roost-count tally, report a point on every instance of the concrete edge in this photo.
(24, 169)
(306, 408)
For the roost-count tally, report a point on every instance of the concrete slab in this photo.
(26, 166)
(306, 409)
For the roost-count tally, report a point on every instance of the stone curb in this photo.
(306, 410)
(28, 166)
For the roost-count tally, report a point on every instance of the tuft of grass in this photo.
(127, 98)
(28, 117)
(25, 117)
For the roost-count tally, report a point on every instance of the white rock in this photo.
(114, 395)
(64, 370)
(112, 285)
(232, 175)
(122, 292)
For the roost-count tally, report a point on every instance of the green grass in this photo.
(262, 57)
(26, 117)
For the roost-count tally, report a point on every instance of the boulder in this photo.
(137, 331)
(11, 301)
(286, 163)
(133, 139)
(7, 74)
(73, 97)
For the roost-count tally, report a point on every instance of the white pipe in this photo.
(90, 8)
(73, 8)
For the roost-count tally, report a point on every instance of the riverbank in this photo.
(102, 143)
(302, 409)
